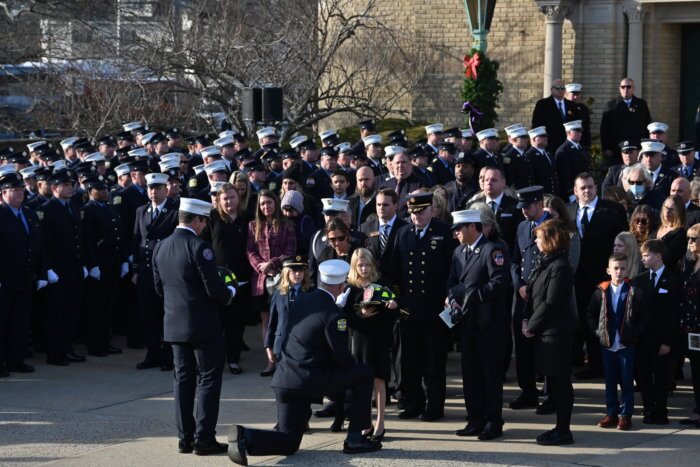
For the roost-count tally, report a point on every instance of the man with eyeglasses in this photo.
(625, 118)
(630, 156)
(552, 112)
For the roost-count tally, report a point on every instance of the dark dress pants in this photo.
(294, 411)
(62, 315)
(99, 297)
(482, 375)
(524, 354)
(15, 318)
(198, 372)
(652, 378)
(152, 312)
(584, 291)
(423, 357)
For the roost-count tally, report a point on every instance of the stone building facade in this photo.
(592, 42)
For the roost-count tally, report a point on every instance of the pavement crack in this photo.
(92, 409)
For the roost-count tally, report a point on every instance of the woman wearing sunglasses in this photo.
(637, 182)
(339, 245)
(642, 222)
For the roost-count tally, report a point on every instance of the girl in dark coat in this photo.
(371, 329)
(227, 231)
(552, 323)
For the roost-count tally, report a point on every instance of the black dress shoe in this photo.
(58, 361)
(185, 446)
(326, 412)
(380, 437)
(491, 431)
(112, 350)
(470, 430)
(235, 370)
(430, 416)
(337, 425)
(661, 420)
(98, 353)
(265, 373)
(648, 419)
(545, 408)
(21, 368)
(74, 357)
(523, 403)
(410, 413)
(364, 445)
(148, 363)
(555, 438)
(688, 421)
(237, 445)
(206, 449)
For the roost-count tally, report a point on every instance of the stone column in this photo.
(554, 13)
(635, 17)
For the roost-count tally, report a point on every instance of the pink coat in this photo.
(272, 246)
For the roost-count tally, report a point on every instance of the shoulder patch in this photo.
(310, 181)
(117, 200)
(40, 215)
(498, 257)
(342, 325)
(192, 183)
(272, 186)
(208, 254)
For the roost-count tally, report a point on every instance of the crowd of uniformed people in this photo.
(453, 242)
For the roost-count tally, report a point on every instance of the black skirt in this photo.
(553, 354)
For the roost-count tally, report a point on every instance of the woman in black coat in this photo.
(552, 323)
(227, 231)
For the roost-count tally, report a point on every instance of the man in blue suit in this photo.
(316, 361)
(185, 275)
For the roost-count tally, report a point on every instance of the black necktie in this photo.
(418, 232)
(293, 294)
(653, 278)
(562, 111)
(155, 215)
(493, 206)
(532, 229)
(584, 221)
(21, 221)
(70, 211)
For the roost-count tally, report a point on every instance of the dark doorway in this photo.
(690, 81)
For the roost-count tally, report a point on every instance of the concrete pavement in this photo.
(105, 412)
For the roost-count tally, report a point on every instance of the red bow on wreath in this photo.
(470, 64)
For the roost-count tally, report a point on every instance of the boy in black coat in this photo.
(662, 293)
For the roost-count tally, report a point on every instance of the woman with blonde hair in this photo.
(371, 327)
(642, 222)
(625, 244)
(294, 282)
(270, 238)
(246, 199)
(227, 231)
(672, 232)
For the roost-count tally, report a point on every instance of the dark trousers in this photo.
(482, 375)
(152, 311)
(99, 305)
(15, 319)
(127, 320)
(394, 383)
(619, 370)
(584, 334)
(198, 369)
(694, 357)
(233, 319)
(423, 357)
(524, 354)
(652, 378)
(561, 394)
(62, 315)
(294, 411)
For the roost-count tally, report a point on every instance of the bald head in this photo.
(681, 188)
(365, 181)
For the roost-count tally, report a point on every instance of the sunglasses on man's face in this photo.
(558, 88)
(625, 86)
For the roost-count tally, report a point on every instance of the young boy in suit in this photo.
(662, 294)
(617, 314)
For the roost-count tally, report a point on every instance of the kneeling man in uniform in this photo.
(316, 361)
(186, 275)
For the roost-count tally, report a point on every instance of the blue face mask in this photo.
(637, 190)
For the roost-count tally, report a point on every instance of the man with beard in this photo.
(460, 190)
(362, 202)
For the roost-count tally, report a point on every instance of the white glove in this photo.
(85, 272)
(40, 284)
(233, 291)
(95, 273)
(125, 270)
(51, 276)
(342, 299)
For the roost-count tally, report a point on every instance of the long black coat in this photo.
(21, 251)
(663, 301)
(386, 260)
(518, 169)
(544, 170)
(127, 201)
(229, 240)
(105, 245)
(184, 273)
(620, 123)
(62, 239)
(570, 162)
